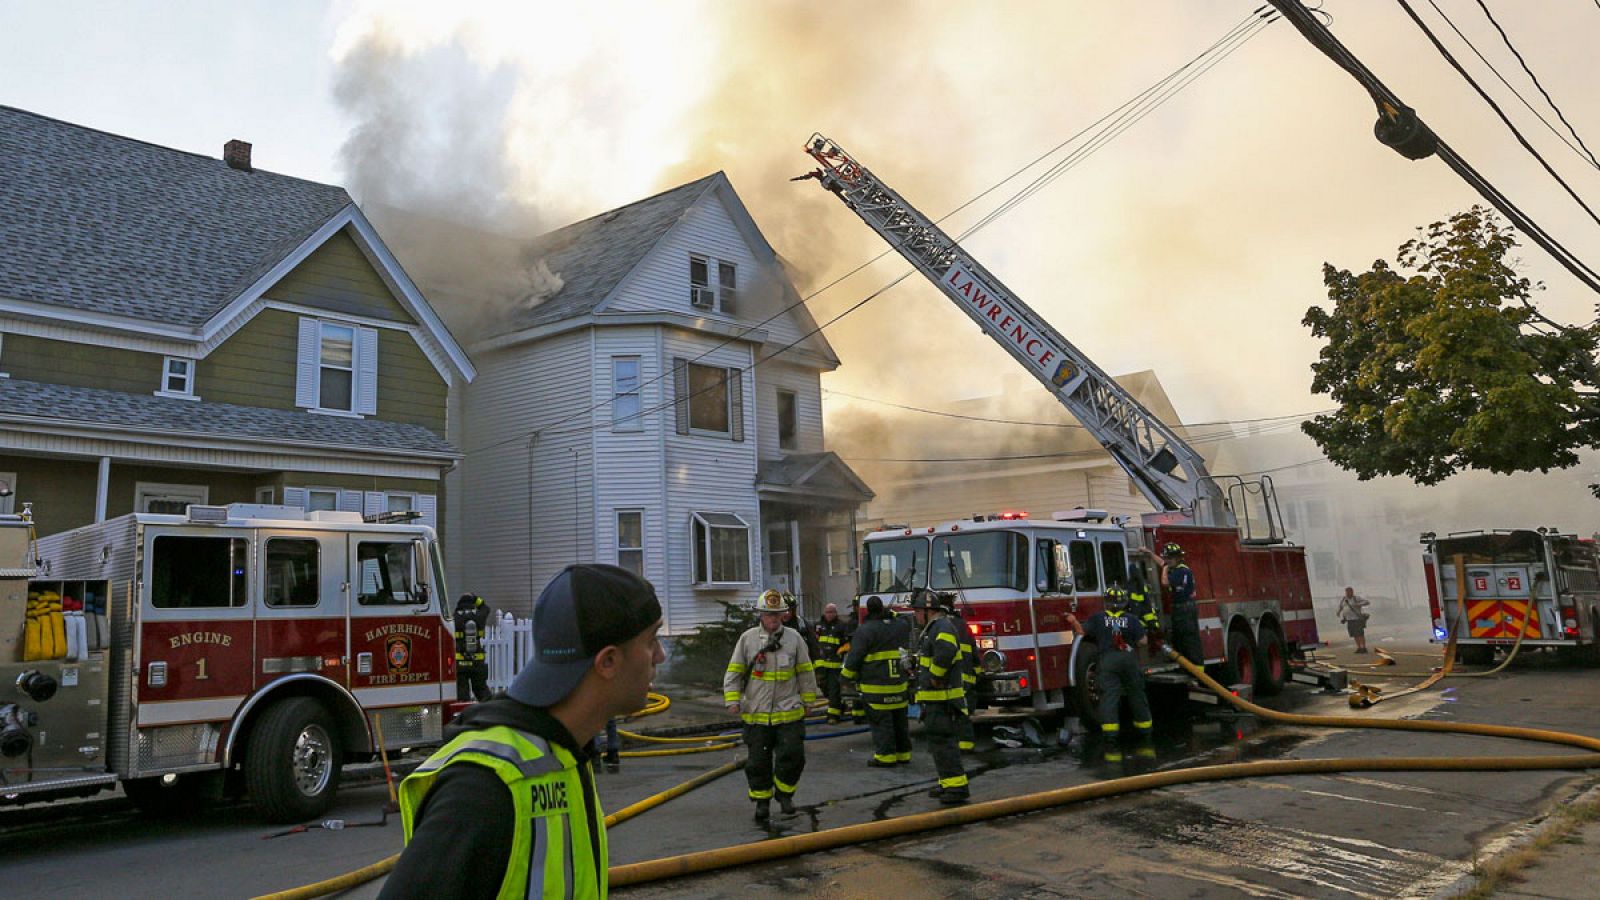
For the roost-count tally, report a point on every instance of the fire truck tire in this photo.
(1085, 684)
(1238, 659)
(1475, 654)
(1272, 663)
(155, 798)
(292, 763)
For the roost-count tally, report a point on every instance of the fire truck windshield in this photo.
(989, 559)
(898, 565)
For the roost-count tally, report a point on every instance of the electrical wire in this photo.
(1075, 425)
(1534, 78)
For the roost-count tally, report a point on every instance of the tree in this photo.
(1450, 368)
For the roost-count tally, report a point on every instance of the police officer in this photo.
(874, 663)
(967, 739)
(940, 692)
(769, 680)
(508, 806)
(1117, 635)
(831, 633)
(1185, 618)
(472, 663)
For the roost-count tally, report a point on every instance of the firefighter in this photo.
(1118, 636)
(508, 807)
(1142, 605)
(969, 682)
(875, 665)
(769, 680)
(793, 619)
(940, 692)
(831, 633)
(472, 663)
(1185, 619)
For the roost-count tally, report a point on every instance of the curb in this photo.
(1542, 824)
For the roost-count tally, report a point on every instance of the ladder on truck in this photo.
(1167, 471)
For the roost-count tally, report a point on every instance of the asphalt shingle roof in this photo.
(102, 223)
(154, 415)
(593, 255)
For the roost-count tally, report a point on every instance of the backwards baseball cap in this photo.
(583, 610)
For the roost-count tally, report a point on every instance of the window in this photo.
(177, 378)
(986, 559)
(8, 493)
(1113, 564)
(838, 552)
(1576, 562)
(727, 288)
(321, 499)
(399, 503)
(1316, 514)
(337, 382)
(625, 407)
(293, 565)
(1323, 566)
(787, 402)
(721, 549)
(173, 499)
(384, 569)
(708, 398)
(265, 495)
(700, 294)
(630, 540)
(198, 572)
(1085, 576)
(1291, 521)
(897, 565)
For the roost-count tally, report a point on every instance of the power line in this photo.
(1214, 437)
(972, 418)
(1524, 63)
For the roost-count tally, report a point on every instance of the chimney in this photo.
(236, 154)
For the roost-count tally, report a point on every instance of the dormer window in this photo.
(728, 287)
(700, 294)
(177, 378)
(337, 368)
(706, 295)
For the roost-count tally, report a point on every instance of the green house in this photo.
(179, 329)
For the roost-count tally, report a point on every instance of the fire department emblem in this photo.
(397, 651)
(1064, 373)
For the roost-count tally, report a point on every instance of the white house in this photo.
(643, 415)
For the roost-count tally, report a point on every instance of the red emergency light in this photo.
(1011, 516)
(979, 629)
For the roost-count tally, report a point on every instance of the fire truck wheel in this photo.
(1086, 685)
(292, 764)
(1272, 665)
(1239, 660)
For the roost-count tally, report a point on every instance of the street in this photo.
(1377, 835)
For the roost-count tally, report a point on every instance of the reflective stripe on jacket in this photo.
(939, 663)
(830, 637)
(874, 663)
(557, 824)
(773, 687)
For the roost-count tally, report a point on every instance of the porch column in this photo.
(102, 488)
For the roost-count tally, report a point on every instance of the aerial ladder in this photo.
(1169, 473)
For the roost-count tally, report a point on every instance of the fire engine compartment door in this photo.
(302, 619)
(395, 627)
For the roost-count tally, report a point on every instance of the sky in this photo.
(1191, 244)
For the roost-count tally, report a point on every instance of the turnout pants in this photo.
(832, 687)
(891, 734)
(967, 736)
(1186, 632)
(472, 681)
(1120, 677)
(941, 723)
(777, 756)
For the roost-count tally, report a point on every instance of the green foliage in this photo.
(703, 654)
(1450, 368)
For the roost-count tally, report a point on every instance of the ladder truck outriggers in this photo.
(1018, 578)
(244, 648)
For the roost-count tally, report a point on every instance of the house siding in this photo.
(62, 491)
(337, 277)
(410, 389)
(628, 463)
(49, 361)
(807, 387)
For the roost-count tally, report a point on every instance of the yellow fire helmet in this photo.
(770, 601)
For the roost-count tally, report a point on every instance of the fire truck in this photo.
(1018, 578)
(1489, 587)
(243, 648)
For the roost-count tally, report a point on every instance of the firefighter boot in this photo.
(763, 810)
(786, 804)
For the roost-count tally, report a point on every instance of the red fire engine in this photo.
(246, 647)
(1253, 595)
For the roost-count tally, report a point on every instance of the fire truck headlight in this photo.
(993, 661)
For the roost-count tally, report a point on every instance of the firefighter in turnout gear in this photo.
(1185, 618)
(875, 665)
(472, 662)
(1118, 636)
(1141, 605)
(769, 681)
(940, 692)
(969, 682)
(831, 633)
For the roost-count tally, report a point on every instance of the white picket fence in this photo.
(508, 645)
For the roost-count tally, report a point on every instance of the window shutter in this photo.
(350, 501)
(294, 496)
(736, 404)
(428, 505)
(367, 371)
(680, 393)
(375, 503)
(307, 360)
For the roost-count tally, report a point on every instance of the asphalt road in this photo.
(1378, 835)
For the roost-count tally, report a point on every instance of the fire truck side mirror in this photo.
(424, 567)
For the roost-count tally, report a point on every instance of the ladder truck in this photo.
(1252, 590)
